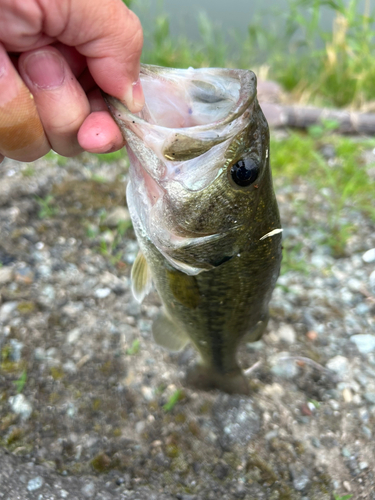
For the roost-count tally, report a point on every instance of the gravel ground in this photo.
(91, 407)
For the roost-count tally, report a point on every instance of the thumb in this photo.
(109, 35)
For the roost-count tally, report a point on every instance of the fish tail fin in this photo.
(206, 378)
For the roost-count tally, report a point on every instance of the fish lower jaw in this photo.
(206, 378)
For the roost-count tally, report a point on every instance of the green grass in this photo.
(112, 157)
(344, 185)
(46, 207)
(28, 171)
(108, 251)
(56, 158)
(161, 49)
(20, 383)
(134, 348)
(173, 400)
(334, 67)
(347, 178)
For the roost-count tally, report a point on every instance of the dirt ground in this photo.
(91, 407)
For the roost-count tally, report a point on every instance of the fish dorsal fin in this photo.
(141, 278)
(167, 334)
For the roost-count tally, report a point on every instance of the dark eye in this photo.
(245, 172)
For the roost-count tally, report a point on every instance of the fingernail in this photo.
(134, 98)
(138, 96)
(45, 69)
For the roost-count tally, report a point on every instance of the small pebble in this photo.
(21, 406)
(107, 237)
(71, 411)
(102, 293)
(334, 404)
(347, 395)
(70, 367)
(347, 486)
(312, 335)
(287, 334)
(6, 310)
(338, 364)
(47, 296)
(5, 275)
(140, 426)
(39, 353)
(355, 285)
(357, 399)
(311, 406)
(369, 256)
(72, 309)
(17, 347)
(315, 442)
(271, 435)
(365, 342)
(35, 483)
(88, 490)
(73, 335)
(300, 477)
(362, 309)
(24, 275)
(117, 215)
(148, 393)
(44, 271)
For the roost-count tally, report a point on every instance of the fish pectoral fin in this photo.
(141, 278)
(184, 288)
(167, 334)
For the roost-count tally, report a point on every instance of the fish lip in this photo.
(247, 95)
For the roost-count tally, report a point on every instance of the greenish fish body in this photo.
(203, 208)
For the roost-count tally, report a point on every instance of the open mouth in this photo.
(187, 98)
(188, 120)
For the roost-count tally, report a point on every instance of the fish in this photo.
(203, 207)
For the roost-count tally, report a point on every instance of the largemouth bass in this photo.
(204, 211)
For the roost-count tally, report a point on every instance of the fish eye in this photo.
(244, 172)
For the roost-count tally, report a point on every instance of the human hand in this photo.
(63, 52)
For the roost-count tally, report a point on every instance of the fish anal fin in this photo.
(167, 334)
(141, 278)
